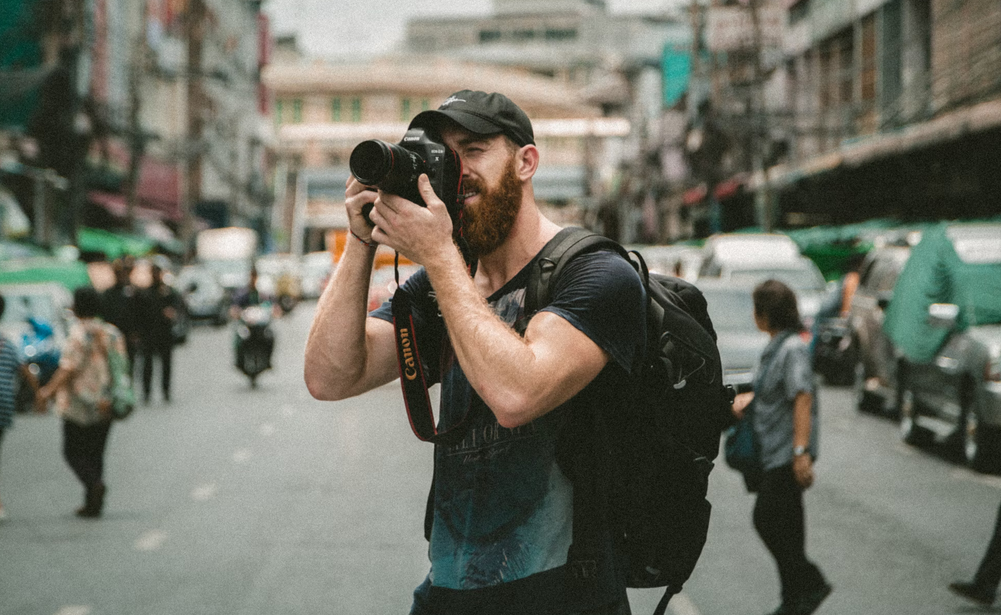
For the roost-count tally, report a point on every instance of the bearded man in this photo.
(506, 517)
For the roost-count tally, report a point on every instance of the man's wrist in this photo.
(798, 451)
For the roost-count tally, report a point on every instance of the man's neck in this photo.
(530, 233)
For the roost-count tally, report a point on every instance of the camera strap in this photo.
(412, 377)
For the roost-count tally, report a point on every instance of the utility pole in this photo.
(759, 124)
(195, 26)
(137, 135)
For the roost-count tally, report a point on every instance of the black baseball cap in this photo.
(482, 114)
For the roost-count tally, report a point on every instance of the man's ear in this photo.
(527, 162)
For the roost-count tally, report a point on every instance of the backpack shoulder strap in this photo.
(552, 259)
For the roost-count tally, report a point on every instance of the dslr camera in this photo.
(394, 168)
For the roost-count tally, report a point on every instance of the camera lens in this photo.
(371, 161)
(387, 165)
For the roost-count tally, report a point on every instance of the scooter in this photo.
(255, 341)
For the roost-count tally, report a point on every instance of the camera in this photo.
(394, 168)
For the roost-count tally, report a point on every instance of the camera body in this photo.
(394, 168)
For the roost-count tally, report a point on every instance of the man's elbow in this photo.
(515, 411)
(321, 386)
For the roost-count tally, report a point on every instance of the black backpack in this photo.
(664, 450)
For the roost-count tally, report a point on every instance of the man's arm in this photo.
(348, 353)
(520, 379)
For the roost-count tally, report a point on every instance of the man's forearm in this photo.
(336, 352)
(516, 379)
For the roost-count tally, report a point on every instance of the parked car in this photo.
(739, 340)
(733, 249)
(872, 353)
(204, 296)
(317, 267)
(946, 323)
(799, 274)
(675, 260)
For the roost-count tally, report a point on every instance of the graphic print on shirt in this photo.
(503, 506)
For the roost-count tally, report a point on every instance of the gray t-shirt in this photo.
(784, 371)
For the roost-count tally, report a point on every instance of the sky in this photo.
(347, 27)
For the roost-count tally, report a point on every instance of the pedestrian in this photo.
(506, 519)
(785, 423)
(984, 586)
(159, 308)
(13, 374)
(81, 388)
(119, 306)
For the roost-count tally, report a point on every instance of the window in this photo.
(335, 110)
(425, 104)
(297, 111)
(279, 110)
(489, 36)
(560, 34)
(404, 109)
(524, 35)
(355, 109)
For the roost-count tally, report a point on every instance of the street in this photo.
(235, 501)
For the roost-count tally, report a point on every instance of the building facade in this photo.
(893, 110)
(322, 111)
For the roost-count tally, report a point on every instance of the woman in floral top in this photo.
(81, 387)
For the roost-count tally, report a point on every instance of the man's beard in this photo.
(487, 225)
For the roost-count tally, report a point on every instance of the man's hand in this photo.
(414, 231)
(356, 196)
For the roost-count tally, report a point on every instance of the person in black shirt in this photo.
(159, 308)
(119, 306)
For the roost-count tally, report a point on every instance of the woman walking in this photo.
(785, 423)
(81, 387)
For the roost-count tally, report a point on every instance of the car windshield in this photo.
(797, 279)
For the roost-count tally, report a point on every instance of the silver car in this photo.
(739, 340)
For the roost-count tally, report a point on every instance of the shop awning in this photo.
(113, 245)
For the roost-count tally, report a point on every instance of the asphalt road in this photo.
(234, 501)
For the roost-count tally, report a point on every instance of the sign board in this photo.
(731, 28)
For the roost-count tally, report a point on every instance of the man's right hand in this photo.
(356, 196)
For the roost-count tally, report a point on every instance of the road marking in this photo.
(681, 604)
(976, 477)
(266, 429)
(150, 540)
(242, 456)
(204, 492)
(74, 610)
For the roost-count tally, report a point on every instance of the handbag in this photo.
(742, 451)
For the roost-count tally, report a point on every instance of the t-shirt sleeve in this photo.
(798, 369)
(601, 295)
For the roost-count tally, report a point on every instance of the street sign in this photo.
(732, 28)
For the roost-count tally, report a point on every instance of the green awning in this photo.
(71, 274)
(113, 245)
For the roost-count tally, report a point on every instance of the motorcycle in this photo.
(40, 353)
(255, 341)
